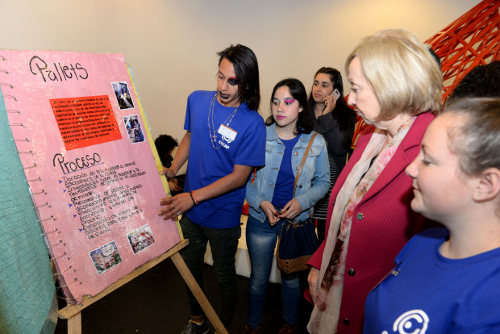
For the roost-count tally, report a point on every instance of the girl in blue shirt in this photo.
(271, 196)
(446, 280)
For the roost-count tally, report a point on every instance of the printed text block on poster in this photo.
(85, 121)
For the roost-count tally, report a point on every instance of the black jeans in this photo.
(224, 244)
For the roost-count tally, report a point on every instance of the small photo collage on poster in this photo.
(141, 238)
(105, 257)
(134, 129)
(123, 96)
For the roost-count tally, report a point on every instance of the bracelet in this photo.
(193, 198)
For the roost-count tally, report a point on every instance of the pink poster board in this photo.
(85, 145)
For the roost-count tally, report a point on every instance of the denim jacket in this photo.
(314, 180)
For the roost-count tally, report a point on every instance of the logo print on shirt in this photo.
(404, 323)
(226, 139)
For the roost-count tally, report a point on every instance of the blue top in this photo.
(283, 191)
(313, 182)
(207, 165)
(428, 293)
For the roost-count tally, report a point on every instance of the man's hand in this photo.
(313, 280)
(174, 206)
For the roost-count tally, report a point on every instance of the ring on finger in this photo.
(178, 213)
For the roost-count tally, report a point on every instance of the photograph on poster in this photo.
(122, 94)
(105, 257)
(134, 129)
(141, 238)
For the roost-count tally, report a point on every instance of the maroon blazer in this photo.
(382, 224)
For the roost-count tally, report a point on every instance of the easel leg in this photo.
(200, 296)
(75, 324)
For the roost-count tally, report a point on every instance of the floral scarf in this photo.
(324, 318)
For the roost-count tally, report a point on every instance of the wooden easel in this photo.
(73, 312)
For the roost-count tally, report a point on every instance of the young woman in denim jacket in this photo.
(272, 200)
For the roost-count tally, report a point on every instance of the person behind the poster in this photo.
(165, 145)
(222, 153)
(273, 201)
(446, 280)
(396, 84)
(332, 118)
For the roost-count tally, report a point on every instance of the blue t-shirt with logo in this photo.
(428, 293)
(208, 164)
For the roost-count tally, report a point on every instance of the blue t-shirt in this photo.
(207, 164)
(283, 190)
(428, 293)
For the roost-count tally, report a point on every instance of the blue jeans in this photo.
(224, 244)
(261, 241)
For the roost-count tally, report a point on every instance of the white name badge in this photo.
(227, 132)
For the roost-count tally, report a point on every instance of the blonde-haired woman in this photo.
(396, 87)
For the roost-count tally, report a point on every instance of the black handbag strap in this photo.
(302, 163)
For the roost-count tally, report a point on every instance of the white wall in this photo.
(171, 44)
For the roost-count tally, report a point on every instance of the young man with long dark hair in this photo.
(224, 140)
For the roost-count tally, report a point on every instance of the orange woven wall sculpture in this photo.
(471, 40)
